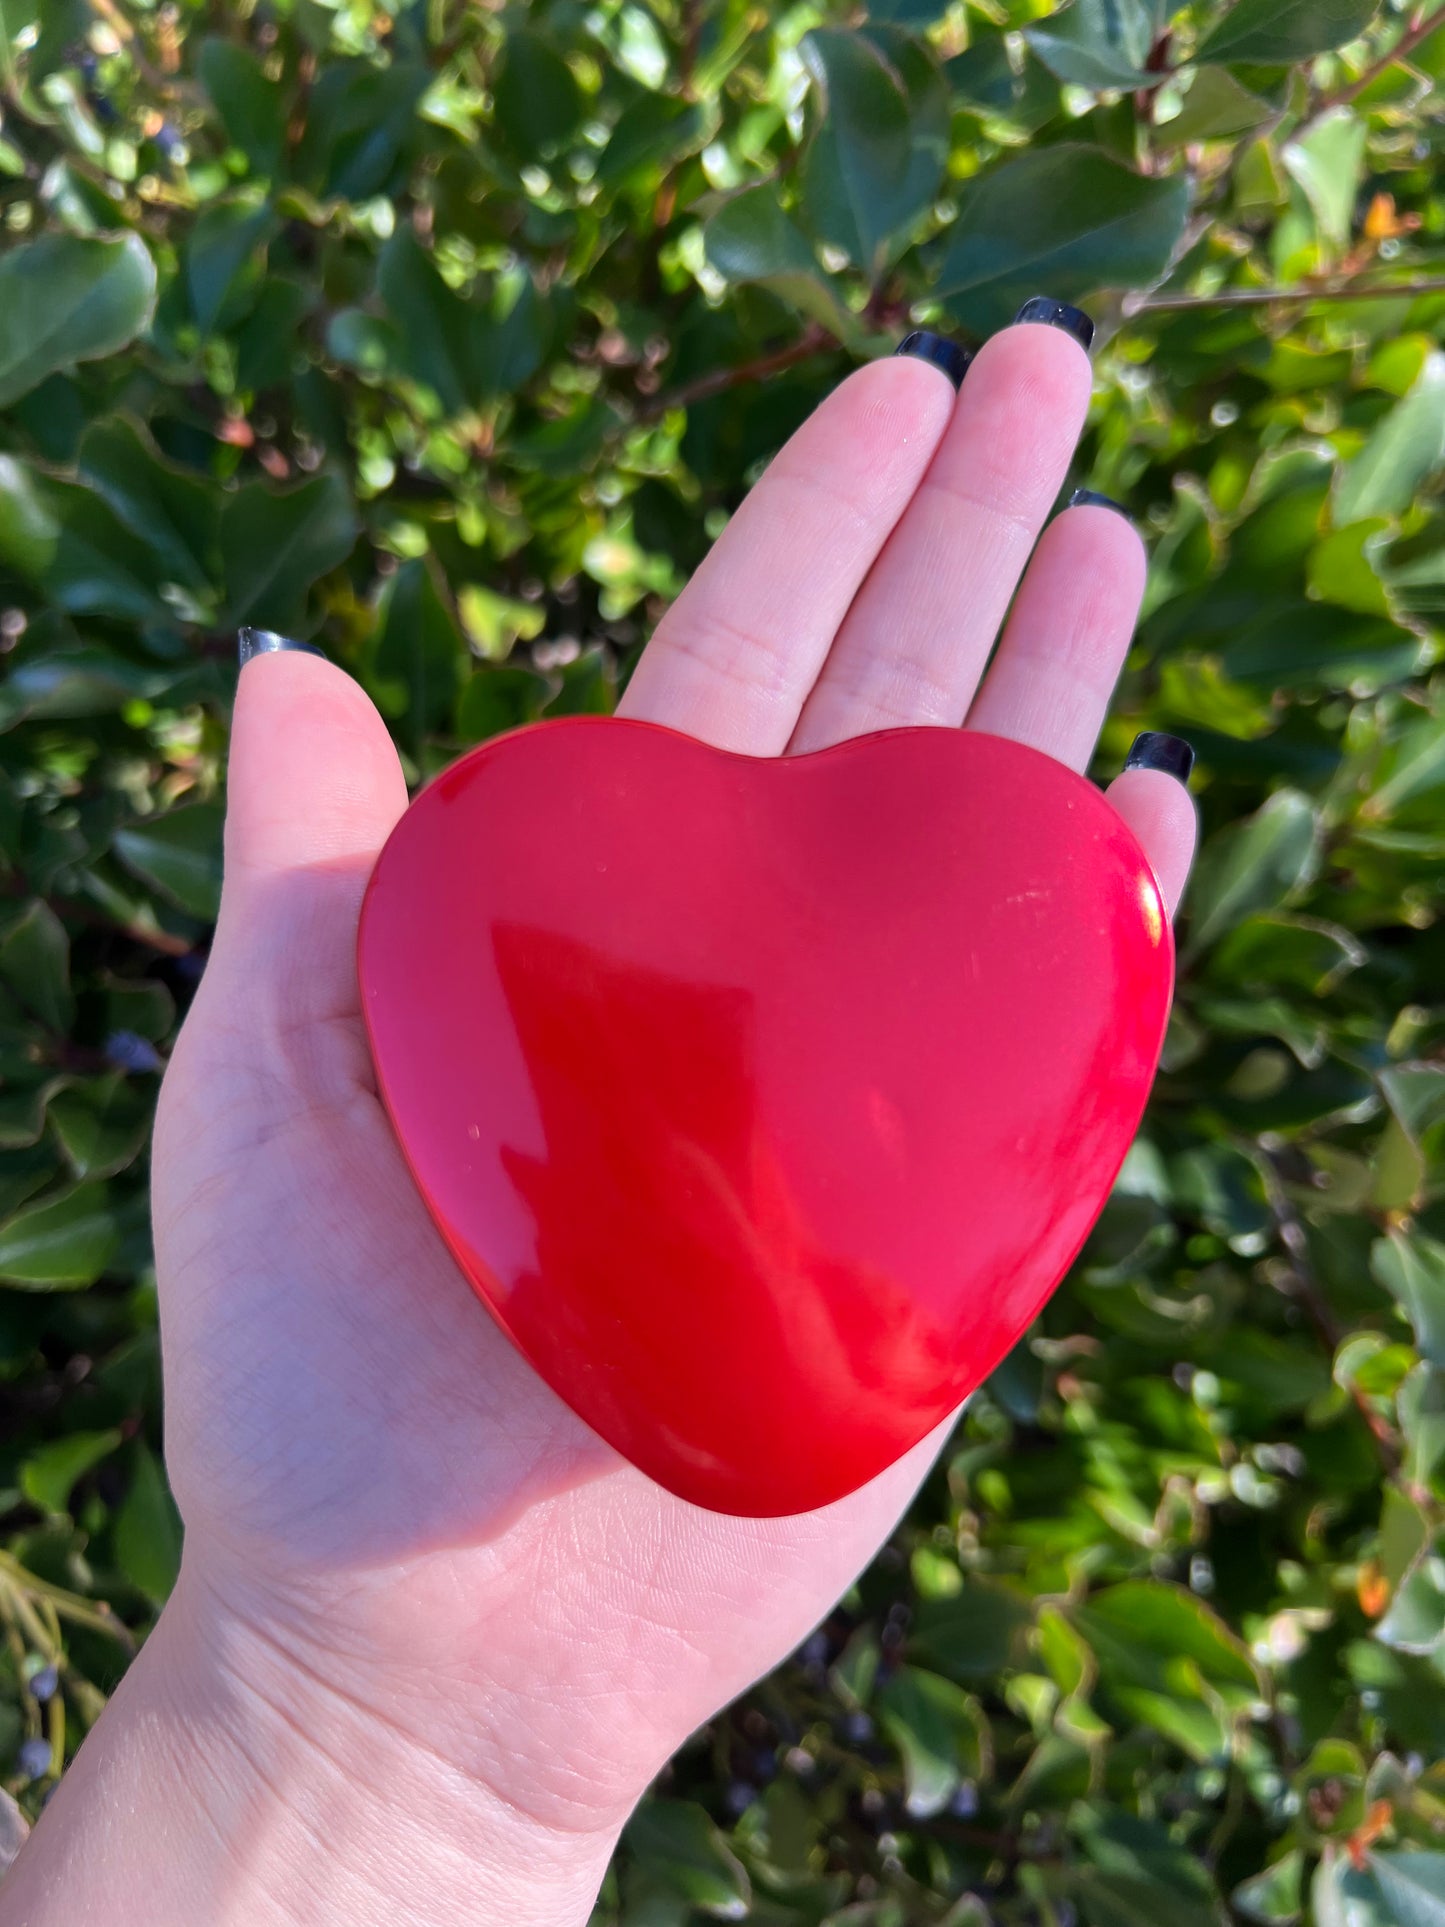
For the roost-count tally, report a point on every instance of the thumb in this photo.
(313, 789)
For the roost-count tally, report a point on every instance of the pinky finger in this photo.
(1151, 797)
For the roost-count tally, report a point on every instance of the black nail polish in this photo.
(266, 642)
(938, 349)
(1090, 498)
(1058, 314)
(1154, 750)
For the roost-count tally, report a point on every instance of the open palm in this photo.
(368, 1471)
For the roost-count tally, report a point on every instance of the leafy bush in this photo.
(448, 336)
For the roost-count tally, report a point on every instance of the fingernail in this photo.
(1154, 750)
(1090, 498)
(266, 642)
(1058, 314)
(938, 349)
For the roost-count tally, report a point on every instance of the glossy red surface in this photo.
(763, 1102)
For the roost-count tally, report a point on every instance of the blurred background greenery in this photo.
(448, 335)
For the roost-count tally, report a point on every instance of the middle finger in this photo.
(919, 631)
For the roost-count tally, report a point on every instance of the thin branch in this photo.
(813, 339)
(98, 1614)
(1423, 25)
(691, 43)
(1266, 297)
(153, 938)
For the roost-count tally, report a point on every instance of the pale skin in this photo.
(432, 1638)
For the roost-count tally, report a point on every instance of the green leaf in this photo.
(538, 105)
(589, 687)
(434, 322)
(651, 136)
(1411, 1267)
(1138, 1877)
(1145, 1616)
(1275, 1896)
(253, 109)
(936, 1727)
(141, 1006)
(274, 546)
(100, 1124)
(1414, 767)
(269, 342)
(752, 239)
(168, 508)
(1274, 1372)
(1101, 44)
(23, 1105)
(69, 543)
(978, 1634)
(465, 349)
(179, 854)
(1216, 107)
(361, 121)
(47, 1476)
(908, 13)
(224, 257)
(990, 80)
(35, 964)
(853, 1674)
(1413, 1886)
(365, 342)
(1253, 865)
(16, 17)
(1344, 1895)
(1066, 219)
(1415, 1094)
(64, 299)
(420, 651)
(510, 335)
(1415, 1622)
(495, 623)
(23, 1171)
(147, 1527)
(1327, 163)
(1286, 644)
(1344, 567)
(86, 681)
(1404, 1535)
(60, 1243)
(1405, 449)
(29, 525)
(1275, 32)
(685, 1852)
(877, 157)
(1420, 1402)
(61, 23)
(497, 697)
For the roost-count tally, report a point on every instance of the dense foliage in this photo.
(448, 335)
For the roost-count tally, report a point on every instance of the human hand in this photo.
(406, 1560)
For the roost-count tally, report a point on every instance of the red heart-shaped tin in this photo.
(763, 1101)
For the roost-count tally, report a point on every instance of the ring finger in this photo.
(1067, 634)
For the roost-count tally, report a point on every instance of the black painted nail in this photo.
(938, 349)
(266, 642)
(1058, 314)
(1090, 498)
(1154, 750)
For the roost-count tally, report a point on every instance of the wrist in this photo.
(228, 1783)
